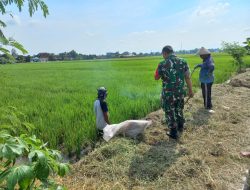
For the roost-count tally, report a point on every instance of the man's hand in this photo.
(157, 76)
(190, 93)
(189, 84)
(106, 117)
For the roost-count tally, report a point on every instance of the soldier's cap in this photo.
(203, 51)
(167, 49)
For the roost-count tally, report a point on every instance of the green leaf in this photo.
(8, 128)
(55, 154)
(2, 7)
(4, 135)
(8, 162)
(31, 8)
(31, 156)
(3, 39)
(27, 126)
(32, 141)
(38, 156)
(44, 7)
(17, 45)
(43, 146)
(4, 174)
(2, 24)
(42, 171)
(10, 149)
(25, 183)
(63, 169)
(4, 50)
(19, 5)
(19, 174)
(22, 143)
(60, 188)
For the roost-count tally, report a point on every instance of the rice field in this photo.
(58, 97)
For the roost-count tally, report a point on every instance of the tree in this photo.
(72, 54)
(5, 42)
(41, 161)
(52, 57)
(62, 56)
(14, 53)
(236, 51)
(27, 58)
(20, 59)
(247, 42)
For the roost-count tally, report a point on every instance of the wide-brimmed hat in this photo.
(203, 51)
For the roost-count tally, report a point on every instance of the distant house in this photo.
(43, 57)
(34, 59)
(112, 55)
(126, 54)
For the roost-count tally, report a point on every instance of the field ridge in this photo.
(205, 157)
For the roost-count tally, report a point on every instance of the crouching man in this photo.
(129, 128)
(101, 111)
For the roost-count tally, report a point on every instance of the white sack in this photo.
(130, 128)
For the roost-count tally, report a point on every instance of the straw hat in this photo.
(203, 51)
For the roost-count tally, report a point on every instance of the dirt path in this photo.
(205, 157)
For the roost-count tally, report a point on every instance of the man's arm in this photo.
(157, 76)
(188, 80)
(106, 117)
(105, 112)
(196, 66)
(189, 84)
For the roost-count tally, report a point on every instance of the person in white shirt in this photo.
(105, 129)
(101, 110)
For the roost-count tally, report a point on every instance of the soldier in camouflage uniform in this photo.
(173, 71)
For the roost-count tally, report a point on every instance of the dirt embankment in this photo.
(205, 157)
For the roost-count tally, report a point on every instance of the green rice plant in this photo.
(57, 97)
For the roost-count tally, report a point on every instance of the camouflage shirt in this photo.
(172, 72)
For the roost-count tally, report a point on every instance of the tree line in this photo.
(73, 55)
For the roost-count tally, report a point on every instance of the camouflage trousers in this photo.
(173, 109)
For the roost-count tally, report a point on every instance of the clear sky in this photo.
(97, 26)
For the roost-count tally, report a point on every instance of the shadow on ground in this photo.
(154, 162)
(200, 117)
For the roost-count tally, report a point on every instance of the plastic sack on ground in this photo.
(130, 128)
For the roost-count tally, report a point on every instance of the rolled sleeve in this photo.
(104, 106)
(157, 73)
(186, 69)
(187, 73)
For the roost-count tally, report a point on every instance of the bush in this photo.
(236, 51)
(37, 161)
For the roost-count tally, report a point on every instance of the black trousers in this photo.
(206, 93)
(99, 134)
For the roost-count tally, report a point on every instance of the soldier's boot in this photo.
(180, 127)
(173, 133)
